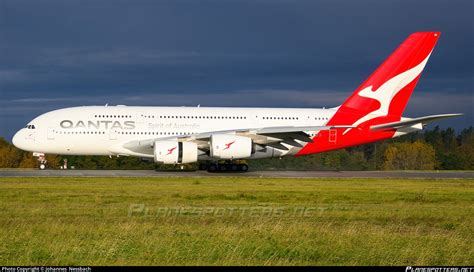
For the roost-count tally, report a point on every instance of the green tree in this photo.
(10, 156)
(333, 160)
(409, 156)
(466, 151)
(28, 161)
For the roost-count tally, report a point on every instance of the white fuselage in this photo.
(97, 130)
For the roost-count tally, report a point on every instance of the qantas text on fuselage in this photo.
(104, 124)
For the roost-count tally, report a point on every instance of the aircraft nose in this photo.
(18, 139)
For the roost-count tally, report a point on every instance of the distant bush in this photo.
(409, 156)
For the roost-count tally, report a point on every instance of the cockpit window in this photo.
(30, 126)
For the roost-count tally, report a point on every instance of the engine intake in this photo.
(174, 152)
(225, 146)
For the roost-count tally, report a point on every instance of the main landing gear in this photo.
(224, 166)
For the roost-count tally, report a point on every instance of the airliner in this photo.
(223, 138)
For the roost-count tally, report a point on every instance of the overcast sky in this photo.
(271, 53)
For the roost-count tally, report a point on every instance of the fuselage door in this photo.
(140, 117)
(332, 135)
(50, 133)
(112, 134)
(255, 119)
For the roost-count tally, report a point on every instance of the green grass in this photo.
(85, 221)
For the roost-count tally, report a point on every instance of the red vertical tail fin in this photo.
(390, 86)
(382, 97)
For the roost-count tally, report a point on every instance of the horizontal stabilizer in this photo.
(413, 121)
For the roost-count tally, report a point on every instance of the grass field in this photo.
(235, 221)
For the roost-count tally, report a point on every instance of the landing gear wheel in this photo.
(212, 168)
(227, 166)
(244, 167)
(42, 167)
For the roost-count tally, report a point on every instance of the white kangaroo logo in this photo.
(385, 93)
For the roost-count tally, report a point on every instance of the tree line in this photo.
(434, 149)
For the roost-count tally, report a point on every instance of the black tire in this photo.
(244, 167)
(234, 167)
(212, 168)
(222, 168)
(202, 166)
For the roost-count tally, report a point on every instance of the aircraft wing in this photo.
(266, 131)
(272, 136)
(266, 136)
(413, 121)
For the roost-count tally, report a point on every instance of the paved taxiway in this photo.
(270, 174)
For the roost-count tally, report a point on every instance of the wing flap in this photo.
(277, 145)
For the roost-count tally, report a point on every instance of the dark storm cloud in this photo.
(230, 53)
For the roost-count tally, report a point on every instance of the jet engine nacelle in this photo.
(225, 146)
(174, 152)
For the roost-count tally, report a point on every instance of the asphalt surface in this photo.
(270, 174)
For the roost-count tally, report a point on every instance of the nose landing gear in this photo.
(41, 159)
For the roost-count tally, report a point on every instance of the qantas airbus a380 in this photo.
(176, 135)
